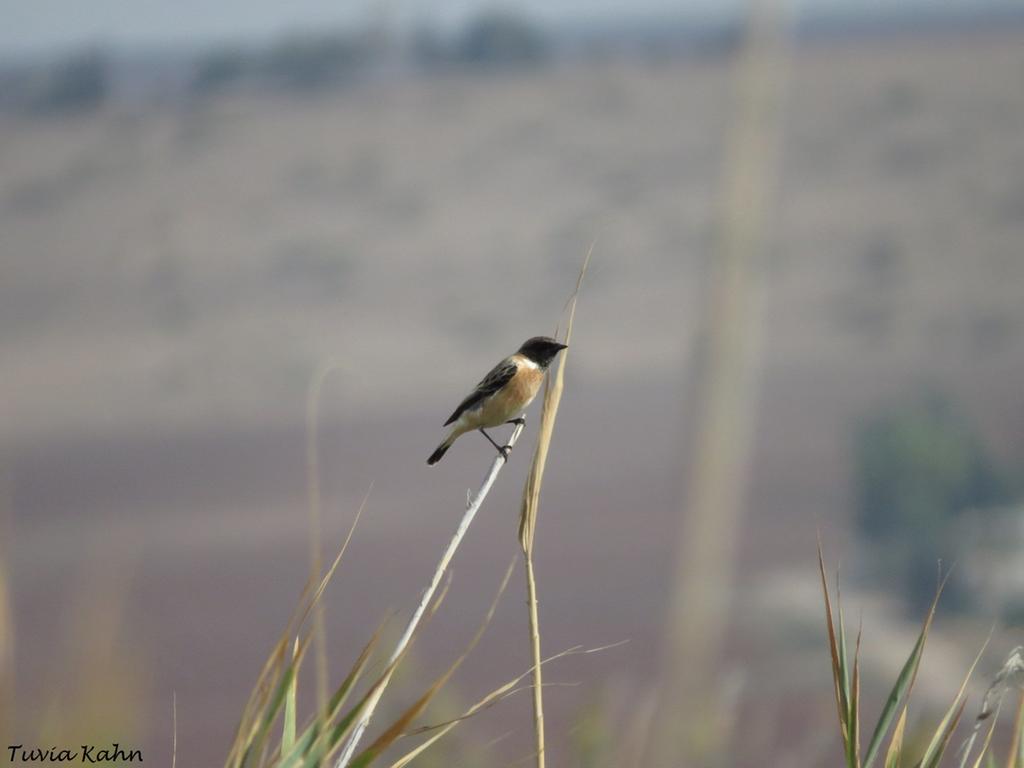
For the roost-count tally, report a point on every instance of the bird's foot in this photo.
(518, 421)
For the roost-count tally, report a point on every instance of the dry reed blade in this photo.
(492, 698)
(552, 398)
(937, 747)
(528, 517)
(894, 754)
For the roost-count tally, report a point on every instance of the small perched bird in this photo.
(503, 394)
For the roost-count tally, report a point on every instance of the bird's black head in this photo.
(541, 349)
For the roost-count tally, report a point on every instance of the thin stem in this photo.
(538, 681)
(174, 726)
(428, 593)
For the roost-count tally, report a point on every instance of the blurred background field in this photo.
(188, 231)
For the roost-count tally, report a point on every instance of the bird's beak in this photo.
(561, 346)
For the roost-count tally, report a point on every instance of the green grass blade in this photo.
(845, 696)
(855, 703)
(938, 748)
(310, 742)
(272, 708)
(833, 646)
(904, 684)
(256, 744)
(249, 723)
(288, 730)
(312, 733)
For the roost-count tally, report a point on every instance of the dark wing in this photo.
(499, 376)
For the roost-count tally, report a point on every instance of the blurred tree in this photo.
(501, 38)
(429, 48)
(76, 83)
(220, 69)
(917, 466)
(308, 62)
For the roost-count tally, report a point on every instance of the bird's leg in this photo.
(518, 421)
(504, 450)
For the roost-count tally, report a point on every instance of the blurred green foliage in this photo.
(917, 466)
(592, 735)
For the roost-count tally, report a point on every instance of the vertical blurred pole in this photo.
(6, 619)
(693, 719)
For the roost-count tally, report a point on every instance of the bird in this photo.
(503, 394)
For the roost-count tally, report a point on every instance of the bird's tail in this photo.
(440, 451)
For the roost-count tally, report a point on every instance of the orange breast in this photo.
(513, 398)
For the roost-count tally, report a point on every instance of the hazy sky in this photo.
(31, 25)
(38, 25)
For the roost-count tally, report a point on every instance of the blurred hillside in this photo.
(171, 277)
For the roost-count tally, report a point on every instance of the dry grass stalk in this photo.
(7, 724)
(313, 498)
(467, 518)
(528, 519)
(6, 657)
(174, 729)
